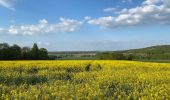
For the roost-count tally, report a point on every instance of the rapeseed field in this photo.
(84, 80)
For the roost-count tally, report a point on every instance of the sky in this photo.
(85, 25)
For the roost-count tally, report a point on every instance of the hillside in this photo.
(153, 53)
(159, 53)
(160, 49)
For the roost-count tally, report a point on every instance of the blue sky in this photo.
(81, 25)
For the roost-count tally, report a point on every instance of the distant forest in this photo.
(16, 52)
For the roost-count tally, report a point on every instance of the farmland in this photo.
(84, 79)
(159, 53)
(74, 55)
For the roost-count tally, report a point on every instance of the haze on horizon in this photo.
(83, 25)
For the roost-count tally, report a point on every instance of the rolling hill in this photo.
(160, 53)
(160, 49)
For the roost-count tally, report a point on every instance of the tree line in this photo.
(16, 52)
(114, 56)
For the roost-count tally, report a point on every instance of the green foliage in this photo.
(111, 56)
(15, 52)
(26, 53)
(154, 53)
(35, 52)
(161, 52)
(43, 54)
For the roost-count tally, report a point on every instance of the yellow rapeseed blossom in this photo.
(84, 79)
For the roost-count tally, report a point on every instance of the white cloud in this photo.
(150, 12)
(1, 30)
(7, 3)
(151, 2)
(124, 1)
(65, 25)
(104, 21)
(109, 9)
(43, 21)
(87, 18)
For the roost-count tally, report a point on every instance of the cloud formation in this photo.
(65, 25)
(149, 12)
(7, 3)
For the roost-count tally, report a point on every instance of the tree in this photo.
(4, 51)
(130, 57)
(43, 54)
(35, 52)
(26, 53)
(111, 56)
(118, 56)
(15, 52)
